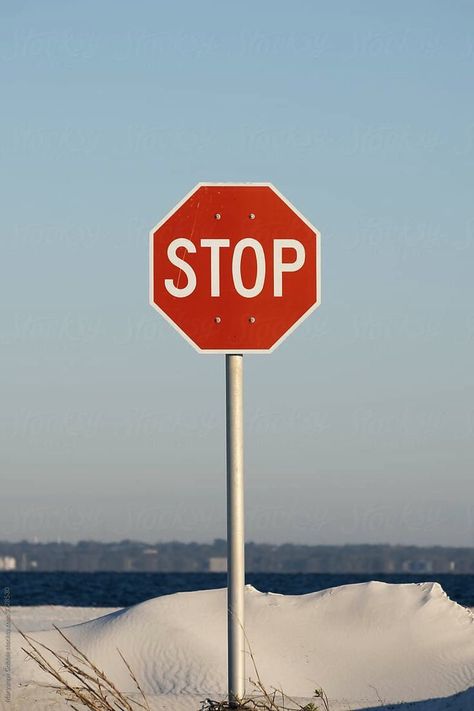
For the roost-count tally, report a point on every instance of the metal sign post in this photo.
(235, 528)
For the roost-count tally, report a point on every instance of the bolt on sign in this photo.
(234, 268)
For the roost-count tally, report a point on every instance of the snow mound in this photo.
(361, 643)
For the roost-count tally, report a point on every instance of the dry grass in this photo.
(263, 700)
(79, 680)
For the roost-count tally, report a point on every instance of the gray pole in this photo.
(235, 528)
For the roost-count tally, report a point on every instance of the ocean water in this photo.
(123, 589)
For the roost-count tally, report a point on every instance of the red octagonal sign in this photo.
(234, 267)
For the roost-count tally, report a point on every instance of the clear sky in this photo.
(359, 427)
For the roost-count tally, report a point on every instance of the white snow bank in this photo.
(361, 643)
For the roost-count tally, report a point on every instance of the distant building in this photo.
(7, 562)
(418, 566)
(218, 565)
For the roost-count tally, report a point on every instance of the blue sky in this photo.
(359, 427)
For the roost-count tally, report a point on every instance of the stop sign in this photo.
(234, 267)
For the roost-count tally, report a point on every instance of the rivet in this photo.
(217, 216)
(252, 319)
(217, 319)
(252, 216)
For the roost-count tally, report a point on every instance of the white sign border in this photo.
(294, 326)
